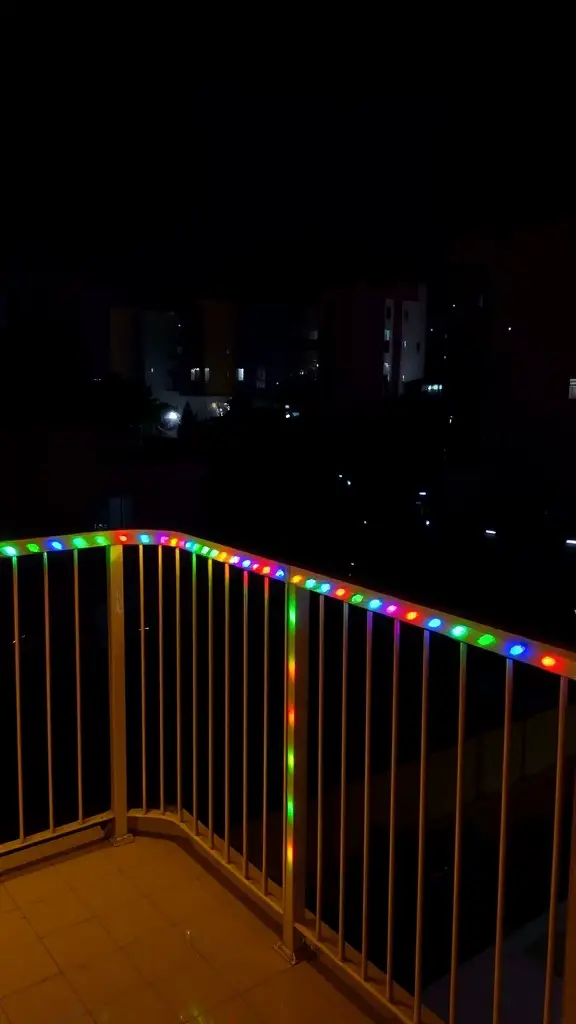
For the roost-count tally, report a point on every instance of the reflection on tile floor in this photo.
(142, 933)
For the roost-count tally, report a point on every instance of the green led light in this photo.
(9, 551)
(290, 809)
(214, 552)
(310, 583)
(486, 640)
(291, 760)
(357, 598)
(100, 540)
(79, 542)
(459, 631)
(33, 547)
(205, 550)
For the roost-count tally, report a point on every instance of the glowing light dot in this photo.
(310, 583)
(291, 716)
(265, 570)
(411, 616)
(188, 545)
(289, 852)
(392, 608)
(204, 550)
(486, 639)
(99, 540)
(123, 537)
(374, 604)
(245, 563)
(33, 547)
(324, 588)
(296, 579)
(291, 760)
(57, 545)
(164, 540)
(459, 631)
(174, 542)
(340, 592)
(214, 552)
(517, 649)
(434, 623)
(235, 559)
(143, 538)
(9, 551)
(357, 598)
(280, 573)
(290, 809)
(548, 661)
(197, 546)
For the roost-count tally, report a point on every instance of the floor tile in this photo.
(131, 920)
(242, 957)
(105, 892)
(7, 902)
(78, 944)
(141, 1005)
(24, 962)
(102, 980)
(54, 910)
(192, 988)
(233, 1011)
(86, 867)
(34, 884)
(51, 1002)
(302, 995)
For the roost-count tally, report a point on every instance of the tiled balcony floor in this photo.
(142, 933)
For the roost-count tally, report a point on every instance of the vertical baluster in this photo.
(393, 787)
(556, 849)
(421, 831)
(569, 987)
(319, 862)
(210, 708)
(48, 690)
(503, 843)
(245, 729)
(78, 688)
(265, 750)
(227, 713)
(161, 672)
(366, 855)
(117, 686)
(143, 677)
(341, 896)
(287, 642)
(178, 692)
(18, 697)
(458, 832)
(194, 697)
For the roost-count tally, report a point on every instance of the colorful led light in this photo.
(517, 649)
(174, 542)
(235, 559)
(296, 579)
(57, 545)
(433, 623)
(310, 583)
(459, 631)
(214, 552)
(291, 760)
(289, 852)
(324, 588)
(357, 598)
(290, 809)
(280, 573)
(548, 661)
(100, 540)
(291, 716)
(143, 538)
(392, 608)
(411, 616)
(9, 551)
(188, 545)
(486, 640)
(245, 563)
(256, 565)
(164, 539)
(205, 550)
(223, 555)
(374, 604)
(196, 547)
(340, 592)
(33, 547)
(123, 537)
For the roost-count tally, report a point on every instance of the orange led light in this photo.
(289, 852)
(411, 616)
(340, 592)
(291, 716)
(123, 537)
(296, 579)
(174, 542)
(265, 570)
(548, 662)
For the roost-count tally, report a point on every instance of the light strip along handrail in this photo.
(556, 660)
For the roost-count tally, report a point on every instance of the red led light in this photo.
(340, 592)
(411, 616)
(291, 716)
(123, 537)
(548, 661)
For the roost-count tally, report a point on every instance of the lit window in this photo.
(572, 388)
(206, 373)
(240, 373)
(195, 373)
(387, 334)
(404, 343)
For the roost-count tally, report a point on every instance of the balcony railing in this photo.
(155, 681)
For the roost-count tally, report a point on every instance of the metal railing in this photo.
(243, 697)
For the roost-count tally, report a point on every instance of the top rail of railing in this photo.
(509, 645)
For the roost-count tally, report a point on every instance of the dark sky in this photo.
(242, 187)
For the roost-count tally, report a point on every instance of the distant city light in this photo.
(427, 522)
(571, 542)
(349, 482)
(172, 416)
(509, 328)
(422, 494)
(490, 533)
(287, 416)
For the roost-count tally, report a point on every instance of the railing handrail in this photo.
(549, 658)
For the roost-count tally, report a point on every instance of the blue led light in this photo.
(57, 545)
(245, 563)
(189, 545)
(144, 538)
(517, 649)
(434, 623)
(280, 572)
(324, 588)
(375, 603)
(310, 583)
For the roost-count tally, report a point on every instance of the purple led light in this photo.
(392, 608)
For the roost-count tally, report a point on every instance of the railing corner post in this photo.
(116, 683)
(296, 746)
(569, 989)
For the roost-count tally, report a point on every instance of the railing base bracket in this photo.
(286, 954)
(121, 840)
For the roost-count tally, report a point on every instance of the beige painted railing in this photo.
(193, 707)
